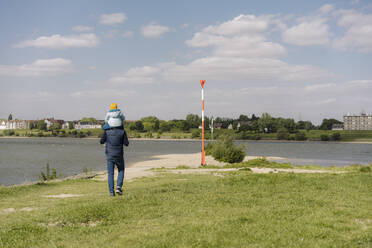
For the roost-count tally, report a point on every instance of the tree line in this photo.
(264, 124)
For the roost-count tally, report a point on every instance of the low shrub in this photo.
(9, 132)
(324, 137)
(209, 148)
(195, 134)
(248, 136)
(365, 169)
(282, 134)
(47, 176)
(148, 135)
(336, 136)
(225, 151)
(300, 136)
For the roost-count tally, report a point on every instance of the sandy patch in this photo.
(27, 209)
(171, 161)
(7, 210)
(62, 196)
(193, 160)
(12, 210)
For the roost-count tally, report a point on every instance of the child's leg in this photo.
(106, 126)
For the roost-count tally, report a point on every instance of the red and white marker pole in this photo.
(202, 82)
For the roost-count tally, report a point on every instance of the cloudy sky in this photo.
(298, 59)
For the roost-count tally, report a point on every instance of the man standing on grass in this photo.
(115, 138)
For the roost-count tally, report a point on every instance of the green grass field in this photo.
(240, 209)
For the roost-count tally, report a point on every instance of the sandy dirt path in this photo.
(171, 161)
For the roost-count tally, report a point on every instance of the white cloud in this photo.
(138, 75)
(127, 34)
(154, 30)
(224, 69)
(243, 36)
(240, 24)
(106, 93)
(326, 101)
(358, 35)
(308, 32)
(240, 53)
(82, 29)
(326, 8)
(41, 67)
(319, 86)
(61, 42)
(113, 19)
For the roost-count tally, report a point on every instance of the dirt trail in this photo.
(171, 161)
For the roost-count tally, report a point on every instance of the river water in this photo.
(22, 160)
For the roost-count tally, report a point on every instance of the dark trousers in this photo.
(120, 164)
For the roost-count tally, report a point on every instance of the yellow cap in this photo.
(113, 106)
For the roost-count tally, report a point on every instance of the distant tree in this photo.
(288, 124)
(243, 118)
(300, 136)
(266, 122)
(254, 117)
(244, 128)
(55, 126)
(139, 125)
(41, 125)
(131, 126)
(10, 117)
(235, 124)
(157, 125)
(148, 126)
(282, 134)
(33, 125)
(70, 125)
(183, 125)
(165, 126)
(89, 119)
(194, 121)
(300, 125)
(149, 119)
(309, 125)
(328, 123)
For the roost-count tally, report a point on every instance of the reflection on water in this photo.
(22, 159)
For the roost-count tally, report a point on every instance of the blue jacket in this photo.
(114, 138)
(114, 118)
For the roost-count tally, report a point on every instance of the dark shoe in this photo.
(112, 194)
(118, 191)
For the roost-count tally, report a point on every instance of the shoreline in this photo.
(142, 168)
(170, 162)
(199, 140)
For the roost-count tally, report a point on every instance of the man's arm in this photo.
(103, 138)
(125, 139)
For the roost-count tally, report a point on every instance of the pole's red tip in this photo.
(202, 82)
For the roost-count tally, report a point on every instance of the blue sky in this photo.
(71, 59)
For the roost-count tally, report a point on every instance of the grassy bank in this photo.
(240, 209)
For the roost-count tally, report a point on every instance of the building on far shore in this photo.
(14, 124)
(337, 127)
(89, 125)
(358, 122)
